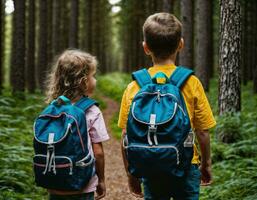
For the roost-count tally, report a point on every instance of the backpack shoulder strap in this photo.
(180, 75)
(84, 103)
(142, 77)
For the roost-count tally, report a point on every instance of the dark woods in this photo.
(42, 29)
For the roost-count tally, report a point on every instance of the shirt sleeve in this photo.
(203, 116)
(124, 110)
(96, 125)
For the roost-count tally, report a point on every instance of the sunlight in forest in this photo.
(115, 8)
(9, 7)
(114, 1)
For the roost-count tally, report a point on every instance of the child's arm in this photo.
(204, 141)
(99, 156)
(133, 182)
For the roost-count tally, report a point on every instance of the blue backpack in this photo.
(63, 159)
(159, 139)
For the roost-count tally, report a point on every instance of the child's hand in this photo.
(135, 186)
(206, 176)
(100, 190)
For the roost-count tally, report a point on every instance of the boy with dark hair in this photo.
(162, 41)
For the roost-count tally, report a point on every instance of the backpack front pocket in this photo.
(61, 173)
(150, 161)
(57, 165)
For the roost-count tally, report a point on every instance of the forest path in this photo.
(115, 176)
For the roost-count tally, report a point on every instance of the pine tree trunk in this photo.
(18, 69)
(56, 30)
(229, 57)
(30, 72)
(186, 55)
(73, 32)
(255, 50)
(167, 6)
(42, 48)
(1, 45)
(64, 36)
(203, 46)
(96, 29)
(50, 54)
(13, 52)
(89, 28)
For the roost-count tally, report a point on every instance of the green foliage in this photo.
(234, 164)
(228, 128)
(16, 152)
(116, 131)
(113, 85)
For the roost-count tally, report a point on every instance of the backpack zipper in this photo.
(133, 107)
(56, 157)
(57, 116)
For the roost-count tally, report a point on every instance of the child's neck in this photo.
(169, 61)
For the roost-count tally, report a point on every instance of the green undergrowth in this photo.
(113, 86)
(16, 152)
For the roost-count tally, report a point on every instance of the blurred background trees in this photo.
(34, 32)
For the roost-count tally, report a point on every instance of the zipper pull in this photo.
(158, 96)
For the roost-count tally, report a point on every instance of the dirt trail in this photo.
(116, 179)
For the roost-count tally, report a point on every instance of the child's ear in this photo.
(146, 49)
(181, 44)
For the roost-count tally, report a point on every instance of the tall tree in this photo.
(65, 18)
(56, 30)
(203, 46)
(73, 31)
(42, 48)
(255, 49)
(88, 26)
(18, 67)
(30, 65)
(167, 6)
(229, 56)
(1, 43)
(49, 30)
(186, 55)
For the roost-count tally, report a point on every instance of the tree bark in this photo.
(229, 56)
(1, 45)
(18, 67)
(73, 32)
(89, 33)
(30, 69)
(42, 48)
(203, 46)
(255, 50)
(50, 54)
(56, 31)
(167, 6)
(65, 16)
(186, 55)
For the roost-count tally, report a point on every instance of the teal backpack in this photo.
(63, 157)
(159, 139)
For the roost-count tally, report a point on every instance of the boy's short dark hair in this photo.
(162, 33)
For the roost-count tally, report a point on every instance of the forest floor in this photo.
(115, 176)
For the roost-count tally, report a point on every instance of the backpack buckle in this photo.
(152, 129)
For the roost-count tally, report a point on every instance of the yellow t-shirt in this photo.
(197, 104)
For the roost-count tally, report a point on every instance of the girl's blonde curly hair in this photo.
(68, 75)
